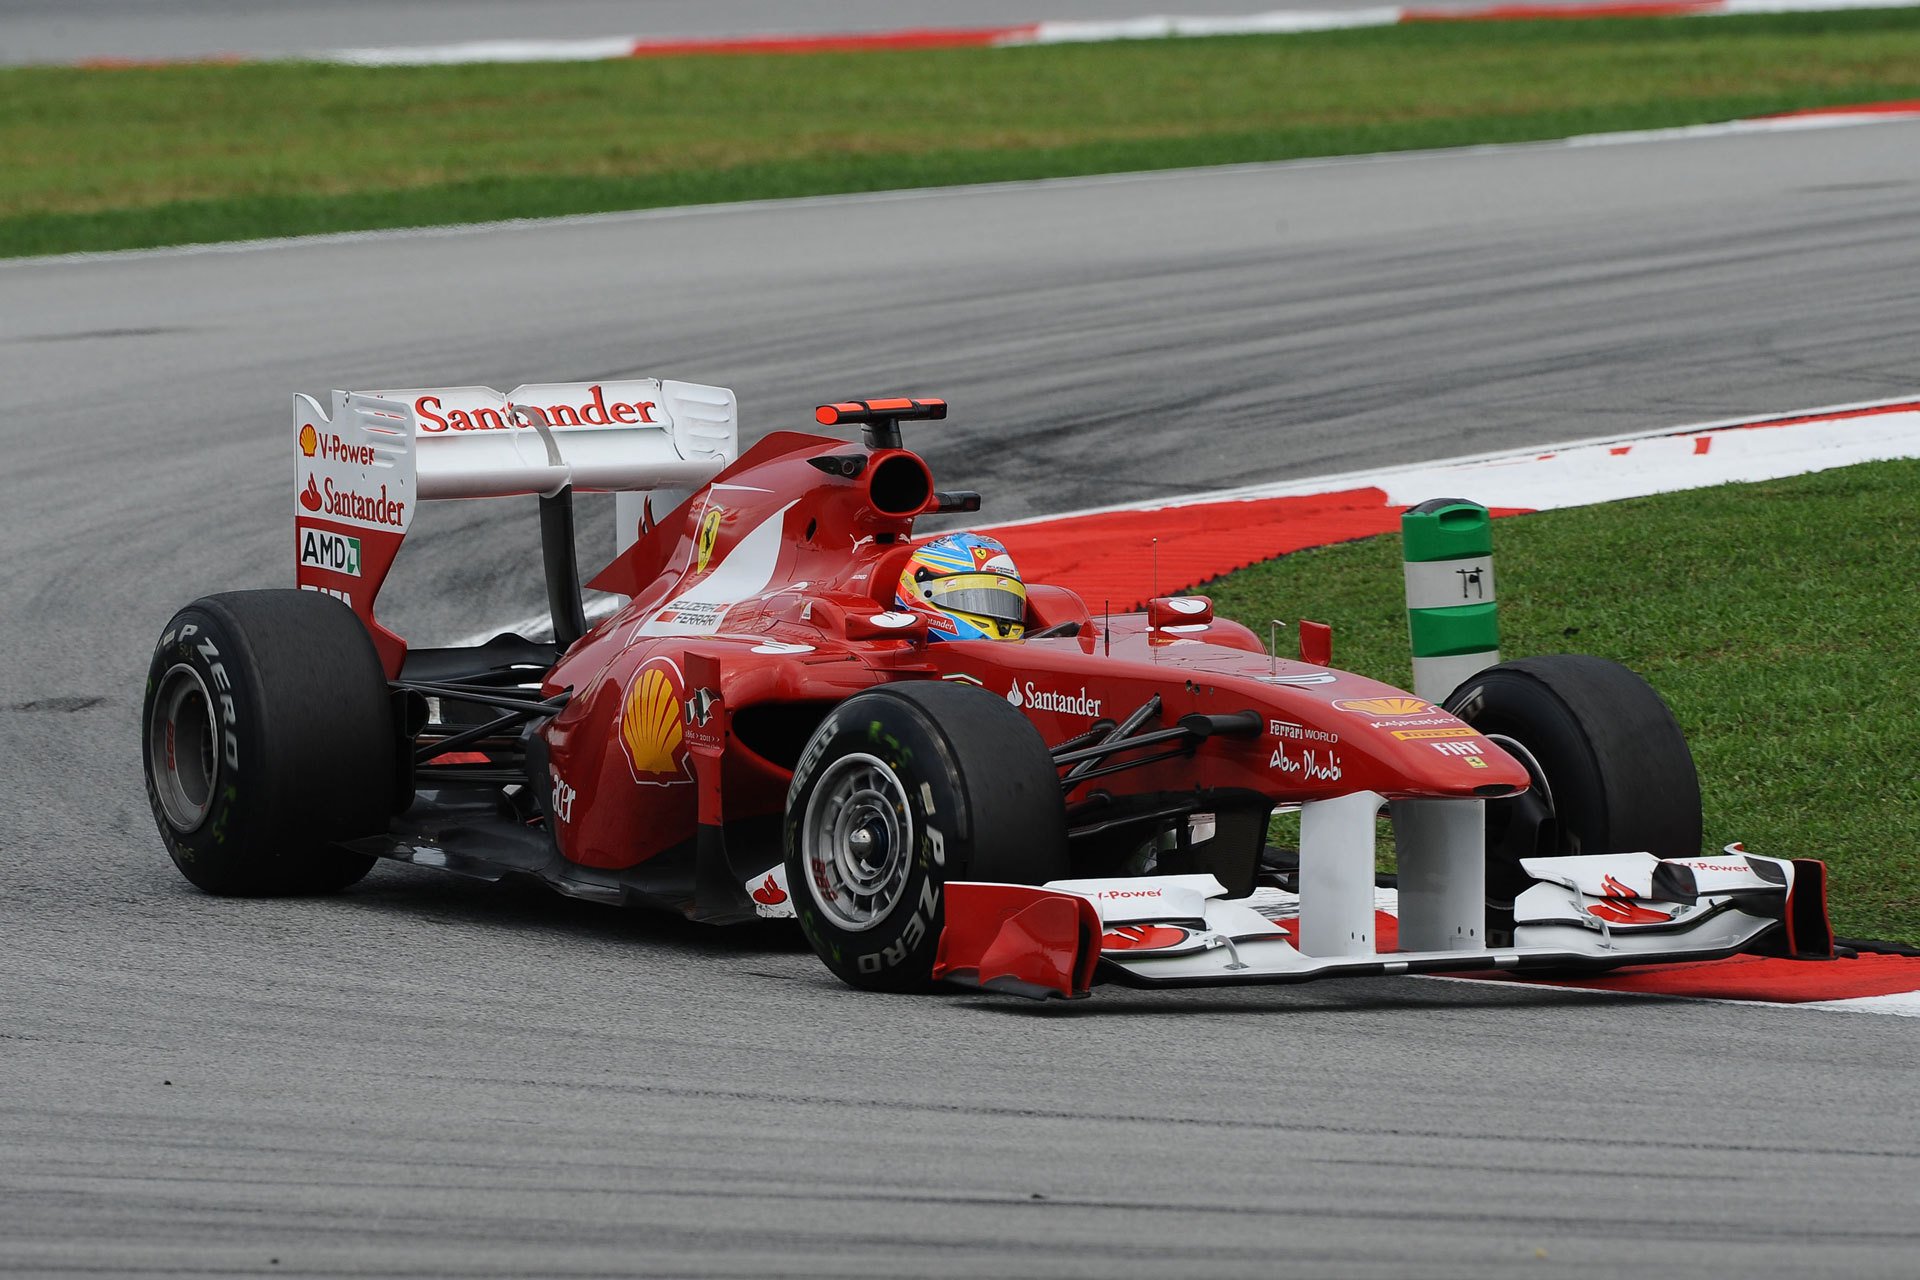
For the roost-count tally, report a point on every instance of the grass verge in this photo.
(1775, 618)
(140, 157)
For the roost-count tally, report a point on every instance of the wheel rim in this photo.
(183, 748)
(1522, 826)
(1537, 776)
(857, 841)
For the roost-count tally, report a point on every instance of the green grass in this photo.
(116, 159)
(1777, 619)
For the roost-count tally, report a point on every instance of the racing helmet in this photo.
(966, 587)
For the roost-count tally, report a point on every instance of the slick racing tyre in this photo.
(267, 734)
(900, 790)
(1611, 770)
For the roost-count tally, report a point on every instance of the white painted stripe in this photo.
(1664, 456)
(1739, 7)
(1734, 128)
(1905, 1004)
(1901, 1004)
(1447, 584)
(435, 55)
(1279, 22)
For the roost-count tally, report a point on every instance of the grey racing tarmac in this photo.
(428, 1076)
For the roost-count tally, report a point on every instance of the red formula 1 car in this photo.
(942, 771)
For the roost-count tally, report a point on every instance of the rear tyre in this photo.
(267, 734)
(1611, 769)
(900, 790)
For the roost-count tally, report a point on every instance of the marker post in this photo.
(1451, 619)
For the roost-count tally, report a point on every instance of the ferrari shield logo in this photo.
(709, 536)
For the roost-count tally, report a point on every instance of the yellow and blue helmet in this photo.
(967, 588)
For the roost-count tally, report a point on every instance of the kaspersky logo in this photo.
(334, 552)
(1386, 706)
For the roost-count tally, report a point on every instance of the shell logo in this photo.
(650, 725)
(1386, 706)
(309, 440)
(708, 539)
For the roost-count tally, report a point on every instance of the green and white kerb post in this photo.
(1450, 603)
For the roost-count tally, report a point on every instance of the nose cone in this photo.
(1457, 761)
(1425, 750)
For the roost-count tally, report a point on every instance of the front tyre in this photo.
(900, 790)
(267, 735)
(1611, 769)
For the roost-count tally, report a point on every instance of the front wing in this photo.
(1591, 912)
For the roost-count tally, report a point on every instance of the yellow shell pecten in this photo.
(650, 723)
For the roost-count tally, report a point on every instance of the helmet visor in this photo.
(987, 595)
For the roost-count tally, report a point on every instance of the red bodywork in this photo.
(768, 597)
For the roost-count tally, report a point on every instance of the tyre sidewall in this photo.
(1615, 759)
(897, 953)
(1514, 707)
(197, 640)
(279, 797)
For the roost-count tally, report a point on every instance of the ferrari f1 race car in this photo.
(944, 772)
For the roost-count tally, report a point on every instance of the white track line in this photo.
(1901, 1004)
(1903, 435)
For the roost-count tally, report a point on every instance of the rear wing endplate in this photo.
(361, 470)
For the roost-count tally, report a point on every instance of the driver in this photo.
(967, 588)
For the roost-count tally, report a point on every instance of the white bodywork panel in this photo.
(1336, 875)
(1440, 850)
(771, 899)
(635, 434)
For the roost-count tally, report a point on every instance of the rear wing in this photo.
(361, 471)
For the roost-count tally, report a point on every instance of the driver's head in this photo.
(966, 587)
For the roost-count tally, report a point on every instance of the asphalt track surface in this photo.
(431, 1077)
(71, 30)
